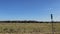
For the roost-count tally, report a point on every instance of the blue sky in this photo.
(29, 10)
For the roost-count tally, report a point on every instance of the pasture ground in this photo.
(29, 28)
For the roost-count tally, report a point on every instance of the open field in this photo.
(29, 28)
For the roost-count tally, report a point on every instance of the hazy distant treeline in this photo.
(26, 22)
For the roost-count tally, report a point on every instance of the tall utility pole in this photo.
(52, 24)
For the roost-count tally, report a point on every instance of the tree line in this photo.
(26, 22)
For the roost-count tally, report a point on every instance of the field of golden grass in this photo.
(29, 28)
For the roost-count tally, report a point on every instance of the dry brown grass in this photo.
(28, 28)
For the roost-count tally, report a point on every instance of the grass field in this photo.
(29, 28)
